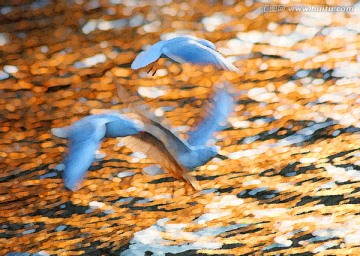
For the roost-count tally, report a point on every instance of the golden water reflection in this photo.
(290, 183)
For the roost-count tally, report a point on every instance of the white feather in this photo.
(148, 56)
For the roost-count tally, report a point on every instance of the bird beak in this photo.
(222, 157)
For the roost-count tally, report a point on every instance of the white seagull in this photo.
(184, 49)
(84, 138)
(177, 155)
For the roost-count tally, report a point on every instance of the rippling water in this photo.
(290, 185)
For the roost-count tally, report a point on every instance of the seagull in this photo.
(176, 155)
(184, 49)
(84, 138)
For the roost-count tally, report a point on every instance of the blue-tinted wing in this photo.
(120, 126)
(196, 53)
(222, 106)
(82, 145)
(163, 132)
(149, 56)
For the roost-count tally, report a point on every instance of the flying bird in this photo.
(84, 138)
(184, 49)
(176, 155)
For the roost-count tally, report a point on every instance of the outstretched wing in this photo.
(148, 56)
(155, 149)
(136, 103)
(196, 53)
(174, 144)
(221, 107)
(82, 146)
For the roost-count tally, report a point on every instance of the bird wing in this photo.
(121, 126)
(148, 56)
(174, 144)
(148, 144)
(222, 105)
(82, 145)
(196, 53)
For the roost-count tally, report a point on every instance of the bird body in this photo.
(186, 154)
(84, 138)
(184, 49)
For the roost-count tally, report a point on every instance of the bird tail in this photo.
(194, 183)
(229, 66)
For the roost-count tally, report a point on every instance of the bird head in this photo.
(207, 153)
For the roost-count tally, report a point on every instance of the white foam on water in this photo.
(90, 61)
(211, 23)
(159, 238)
(153, 170)
(125, 174)
(100, 24)
(271, 212)
(153, 92)
(96, 205)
